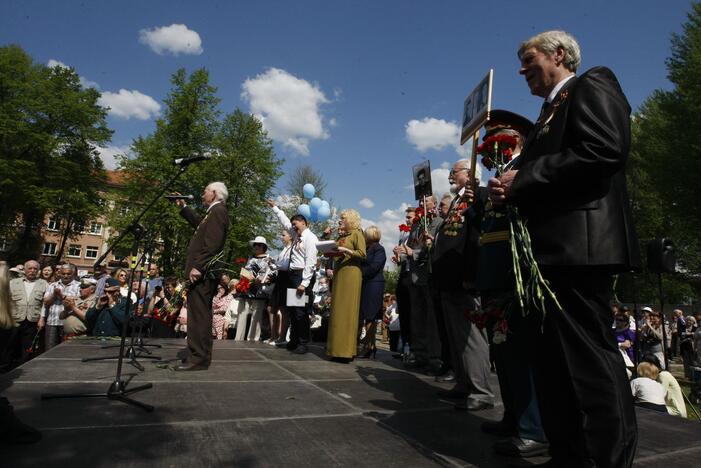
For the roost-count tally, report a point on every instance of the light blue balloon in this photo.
(326, 204)
(324, 213)
(315, 204)
(308, 190)
(314, 216)
(304, 210)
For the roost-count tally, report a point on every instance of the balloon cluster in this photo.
(317, 209)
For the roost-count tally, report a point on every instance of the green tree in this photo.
(243, 159)
(49, 128)
(665, 167)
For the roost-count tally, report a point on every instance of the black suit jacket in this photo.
(209, 237)
(571, 184)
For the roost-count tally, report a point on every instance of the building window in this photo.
(74, 250)
(78, 227)
(95, 228)
(90, 252)
(49, 248)
(52, 224)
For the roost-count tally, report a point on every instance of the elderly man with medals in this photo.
(508, 329)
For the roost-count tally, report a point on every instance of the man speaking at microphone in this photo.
(207, 242)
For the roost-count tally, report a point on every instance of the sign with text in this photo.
(476, 107)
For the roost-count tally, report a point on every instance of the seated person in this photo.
(74, 309)
(648, 393)
(107, 317)
(674, 399)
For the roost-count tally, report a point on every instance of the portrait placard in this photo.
(476, 107)
(422, 180)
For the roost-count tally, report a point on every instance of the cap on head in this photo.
(506, 120)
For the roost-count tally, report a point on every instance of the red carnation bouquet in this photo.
(497, 151)
(243, 286)
(404, 228)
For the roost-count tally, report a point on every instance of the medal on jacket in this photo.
(545, 129)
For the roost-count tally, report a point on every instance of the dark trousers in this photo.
(299, 316)
(199, 321)
(583, 391)
(21, 341)
(404, 305)
(446, 356)
(394, 340)
(514, 359)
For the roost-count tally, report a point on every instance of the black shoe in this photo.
(280, 343)
(470, 404)
(301, 349)
(453, 394)
(518, 447)
(342, 360)
(416, 364)
(448, 377)
(291, 345)
(184, 353)
(190, 366)
(498, 428)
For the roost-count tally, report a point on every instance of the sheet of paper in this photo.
(293, 300)
(326, 246)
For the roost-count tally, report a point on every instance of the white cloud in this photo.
(366, 203)
(109, 155)
(434, 134)
(289, 108)
(439, 182)
(175, 39)
(128, 104)
(84, 82)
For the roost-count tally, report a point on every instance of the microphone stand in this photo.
(118, 388)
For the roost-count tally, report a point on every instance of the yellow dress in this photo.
(345, 297)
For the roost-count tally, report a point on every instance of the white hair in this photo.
(31, 262)
(220, 190)
(549, 41)
(465, 162)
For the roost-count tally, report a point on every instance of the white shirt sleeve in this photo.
(310, 253)
(282, 217)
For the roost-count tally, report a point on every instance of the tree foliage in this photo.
(665, 166)
(49, 127)
(243, 159)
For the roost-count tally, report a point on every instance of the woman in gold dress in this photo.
(345, 294)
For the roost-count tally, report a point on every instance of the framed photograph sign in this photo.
(476, 107)
(422, 180)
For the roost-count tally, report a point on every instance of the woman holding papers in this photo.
(345, 294)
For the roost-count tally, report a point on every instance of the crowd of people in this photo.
(457, 314)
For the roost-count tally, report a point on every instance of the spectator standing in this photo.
(47, 274)
(28, 304)
(651, 336)
(278, 315)
(301, 276)
(59, 293)
(220, 304)
(373, 286)
(341, 344)
(74, 310)
(391, 318)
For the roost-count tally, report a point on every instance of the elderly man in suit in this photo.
(207, 241)
(570, 186)
(28, 302)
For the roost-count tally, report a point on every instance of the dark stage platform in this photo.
(261, 406)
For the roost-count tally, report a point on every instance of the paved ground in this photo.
(261, 406)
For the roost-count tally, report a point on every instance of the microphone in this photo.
(178, 197)
(191, 159)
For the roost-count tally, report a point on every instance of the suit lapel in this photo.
(550, 112)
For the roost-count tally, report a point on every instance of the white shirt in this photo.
(647, 390)
(558, 87)
(303, 252)
(283, 259)
(29, 287)
(71, 289)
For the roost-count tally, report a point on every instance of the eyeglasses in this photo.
(453, 171)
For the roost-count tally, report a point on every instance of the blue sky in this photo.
(360, 90)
